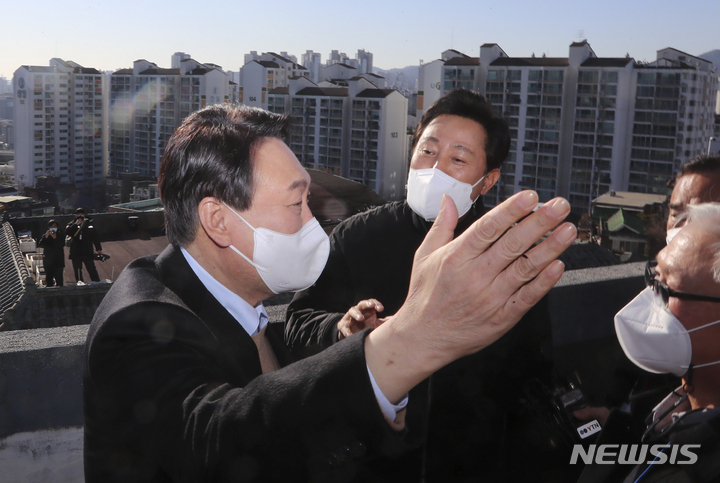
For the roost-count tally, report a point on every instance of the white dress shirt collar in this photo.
(252, 319)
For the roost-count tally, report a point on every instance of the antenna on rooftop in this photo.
(581, 35)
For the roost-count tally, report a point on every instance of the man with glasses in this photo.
(698, 181)
(673, 327)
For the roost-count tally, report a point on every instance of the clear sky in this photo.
(109, 35)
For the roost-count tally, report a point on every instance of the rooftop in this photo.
(154, 204)
(463, 61)
(269, 64)
(14, 270)
(623, 220)
(628, 200)
(13, 198)
(377, 93)
(158, 71)
(323, 91)
(531, 61)
(607, 62)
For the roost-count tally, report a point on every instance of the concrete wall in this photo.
(41, 370)
(41, 404)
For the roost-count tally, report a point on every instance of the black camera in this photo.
(567, 399)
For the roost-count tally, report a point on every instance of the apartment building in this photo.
(459, 71)
(364, 61)
(7, 102)
(60, 125)
(262, 73)
(312, 61)
(5, 85)
(429, 85)
(148, 102)
(355, 130)
(453, 70)
(583, 125)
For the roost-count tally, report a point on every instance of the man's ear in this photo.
(490, 179)
(212, 214)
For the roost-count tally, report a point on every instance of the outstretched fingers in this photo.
(522, 236)
(527, 266)
(531, 293)
(484, 232)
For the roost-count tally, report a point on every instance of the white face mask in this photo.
(53, 230)
(427, 186)
(653, 338)
(288, 263)
(671, 234)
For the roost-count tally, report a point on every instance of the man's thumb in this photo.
(442, 231)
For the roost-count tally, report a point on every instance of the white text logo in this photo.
(634, 454)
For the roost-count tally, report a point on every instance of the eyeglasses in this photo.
(666, 292)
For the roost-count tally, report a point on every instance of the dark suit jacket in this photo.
(173, 391)
(53, 249)
(82, 243)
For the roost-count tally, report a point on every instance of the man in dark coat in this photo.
(184, 378)
(462, 140)
(83, 236)
(53, 245)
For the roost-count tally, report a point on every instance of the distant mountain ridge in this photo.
(410, 73)
(713, 56)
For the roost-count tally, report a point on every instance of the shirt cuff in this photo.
(389, 409)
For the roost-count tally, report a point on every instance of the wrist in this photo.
(399, 358)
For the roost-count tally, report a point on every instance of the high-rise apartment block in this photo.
(264, 72)
(148, 102)
(356, 130)
(5, 85)
(454, 70)
(429, 88)
(583, 125)
(60, 125)
(458, 71)
(345, 121)
(312, 61)
(364, 61)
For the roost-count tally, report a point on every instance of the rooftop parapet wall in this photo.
(41, 369)
(110, 226)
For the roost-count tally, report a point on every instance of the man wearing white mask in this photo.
(182, 378)
(458, 148)
(673, 327)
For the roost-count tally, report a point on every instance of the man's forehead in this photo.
(696, 187)
(464, 133)
(276, 166)
(686, 260)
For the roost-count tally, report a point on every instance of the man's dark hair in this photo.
(704, 164)
(52, 222)
(467, 104)
(210, 155)
(79, 210)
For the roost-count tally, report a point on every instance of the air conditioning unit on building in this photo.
(27, 244)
